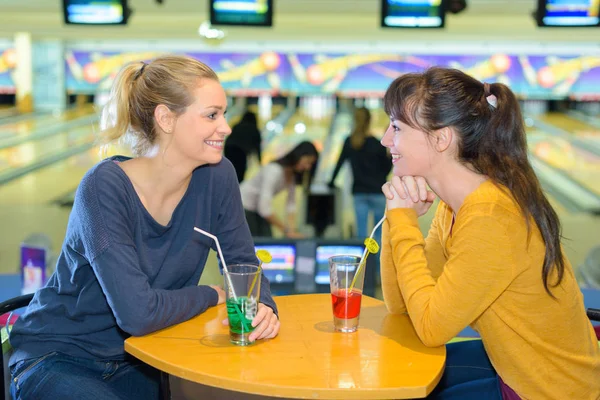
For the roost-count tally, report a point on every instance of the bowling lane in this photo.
(577, 163)
(36, 123)
(58, 180)
(301, 126)
(31, 151)
(48, 184)
(570, 124)
(7, 111)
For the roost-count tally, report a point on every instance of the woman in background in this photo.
(370, 165)
(492, 259)
(244, 140)
(282, 174)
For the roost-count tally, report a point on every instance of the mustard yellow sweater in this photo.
(481, 271)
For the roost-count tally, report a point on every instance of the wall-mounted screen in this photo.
(568, 13)
(95, 12)
(412, 14)
(241, 12)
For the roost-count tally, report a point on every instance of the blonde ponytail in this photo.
(115, 122)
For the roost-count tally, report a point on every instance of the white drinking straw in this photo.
(213, 237)
(372, 233)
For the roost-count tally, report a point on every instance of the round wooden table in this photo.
(384, 359)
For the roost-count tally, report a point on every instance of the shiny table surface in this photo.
(384, 359)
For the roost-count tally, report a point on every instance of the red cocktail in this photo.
(346, 304)
(345, 299)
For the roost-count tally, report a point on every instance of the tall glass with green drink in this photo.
(242, 289)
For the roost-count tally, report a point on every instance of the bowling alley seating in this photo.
(9, 306)
(594, 315)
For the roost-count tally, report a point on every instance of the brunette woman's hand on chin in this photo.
(408, 192)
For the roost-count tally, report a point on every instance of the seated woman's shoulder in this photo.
(220, 173)
(494, 199)
(104, 168)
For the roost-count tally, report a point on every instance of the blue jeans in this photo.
(469, 375)
(60, 376)
(365, 203)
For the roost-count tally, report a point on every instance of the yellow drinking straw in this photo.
(263, 256)
(371, 246)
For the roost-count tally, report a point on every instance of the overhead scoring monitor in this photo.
(241, 12)
(568, 13)
(412, 13)
(95, 12)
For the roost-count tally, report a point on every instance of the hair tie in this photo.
(489, 97)
(141, 71)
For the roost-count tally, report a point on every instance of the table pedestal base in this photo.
(182, 389)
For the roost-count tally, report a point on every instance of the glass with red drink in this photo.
(344, 299)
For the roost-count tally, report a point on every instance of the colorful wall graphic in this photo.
(537, 77)
(8, 60)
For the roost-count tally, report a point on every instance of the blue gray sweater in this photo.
(121, 273)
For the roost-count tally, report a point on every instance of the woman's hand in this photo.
(408, 192)
(266, 324)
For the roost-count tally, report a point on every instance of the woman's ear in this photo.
(165, 118)
(442, 139)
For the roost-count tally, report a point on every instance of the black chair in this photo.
(8, 306)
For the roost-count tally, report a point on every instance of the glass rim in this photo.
(358, 258)
(256, 267)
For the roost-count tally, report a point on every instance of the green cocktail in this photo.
(242, 289)
(240, 314)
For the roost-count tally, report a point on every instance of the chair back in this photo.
(9, 306)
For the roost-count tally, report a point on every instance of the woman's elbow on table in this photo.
(433, 342)
(135, 326)
(431, 339)
(395, 307)
(393, 300)
(136, 321)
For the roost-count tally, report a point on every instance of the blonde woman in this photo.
(131, 260)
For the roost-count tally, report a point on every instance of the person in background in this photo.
(131, 260)
(493, 259)
(244, 140)
(282, 174)
(371, 164)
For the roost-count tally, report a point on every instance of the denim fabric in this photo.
(60, 376)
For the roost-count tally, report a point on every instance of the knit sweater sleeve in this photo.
(434, 253)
